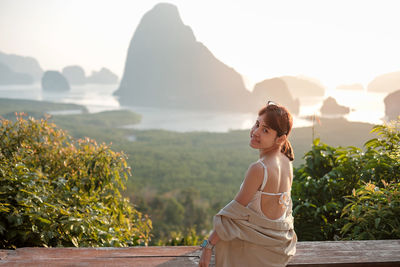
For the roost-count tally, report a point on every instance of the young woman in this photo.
(256, 228)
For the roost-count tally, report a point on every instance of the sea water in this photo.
(365, 107)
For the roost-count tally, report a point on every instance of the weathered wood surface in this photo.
(347, 253)
(327, 253)
(132, 256)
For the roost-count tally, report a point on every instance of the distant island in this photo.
(15, 69)
(103, 76)
(301, 86)
(275, 89)
(388, 82)
(54, 81)
(19, 69)
(167, 67)
(76, 76)
(331, 107)
(392, 105)
(8, 76)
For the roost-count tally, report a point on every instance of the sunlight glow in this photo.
(337, 42)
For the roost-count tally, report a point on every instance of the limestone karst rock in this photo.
(8, 76)
(331, 107)
(392, 105)
(387, 82)
(301, 86)
(74, 74)
(103, 76)
(275, 89)
(23, 65)
(54, 81)
(167, 67)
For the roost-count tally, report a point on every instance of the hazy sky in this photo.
(337, 42)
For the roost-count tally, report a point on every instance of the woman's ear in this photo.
(281, 139)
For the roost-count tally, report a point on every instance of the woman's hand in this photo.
(205, 257)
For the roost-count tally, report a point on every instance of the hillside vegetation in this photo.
(182, 179)
(59, 191)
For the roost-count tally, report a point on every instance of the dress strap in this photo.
(265, 175)
(284, 199)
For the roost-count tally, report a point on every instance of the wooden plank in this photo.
(347, 253)
(132, 256)
(327, 253)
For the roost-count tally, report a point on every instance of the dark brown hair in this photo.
(279, 119)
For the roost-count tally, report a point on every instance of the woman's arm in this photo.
(206, 252)
(252, 182)
(213, 238)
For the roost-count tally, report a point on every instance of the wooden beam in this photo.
(316, 254)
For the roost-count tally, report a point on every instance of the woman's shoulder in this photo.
(277, 165)
(255, 167)
(278, 162)
(255, 171)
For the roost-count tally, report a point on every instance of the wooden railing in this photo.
(326, 253)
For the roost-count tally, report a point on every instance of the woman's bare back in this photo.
(280, 177)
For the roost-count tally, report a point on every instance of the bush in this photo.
(330, 174)
(178, 219)
(57, 191)
(373, 212)
(319, 186)
(187, 238)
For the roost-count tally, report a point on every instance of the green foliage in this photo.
(176, 219)
(58, 191)
(107, 119)
(188, 238)
(373, 212)
(318, 187)
(381, 160)
(197, 173)
(8, 107)
(329, 174)
(211, 167)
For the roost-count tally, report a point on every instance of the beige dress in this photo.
(249, 238)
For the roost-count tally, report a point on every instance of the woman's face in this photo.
(261, 136)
